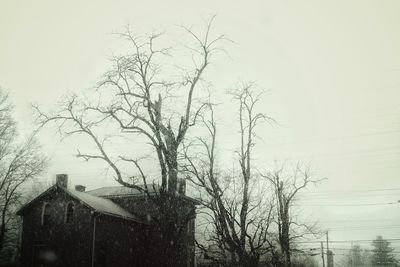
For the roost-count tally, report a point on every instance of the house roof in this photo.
(111, 191)
(97, 204)
(101, 205)
(123, 191)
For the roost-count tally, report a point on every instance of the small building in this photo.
(106, 227)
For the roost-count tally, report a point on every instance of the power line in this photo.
(349, 241)
(355, 228)
(327, 197)
(347, 205)
(354, 191)
(349, 249)
(358, 220)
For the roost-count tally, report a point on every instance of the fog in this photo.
(331, 72)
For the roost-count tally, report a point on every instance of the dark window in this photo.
(46, 214)
(69, 215)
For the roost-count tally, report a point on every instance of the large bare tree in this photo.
(236, 204)
(146, 95)
(20, 162)
(286, 186)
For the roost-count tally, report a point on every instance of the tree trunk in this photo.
(171, 250)
(2, 233)
(172, 255)
(252, 261)
(172, 177)
(172, 163)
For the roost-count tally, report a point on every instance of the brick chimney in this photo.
(80, 188)
(181, 186)
(62, 180)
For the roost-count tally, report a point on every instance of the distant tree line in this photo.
(381, 254)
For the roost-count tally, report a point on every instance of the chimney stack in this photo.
(62, 180)
(80, 188)
(181, 186)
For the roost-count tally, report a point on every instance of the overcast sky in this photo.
(331, 69)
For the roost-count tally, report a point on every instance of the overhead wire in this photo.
(348, 205)
(347, 241)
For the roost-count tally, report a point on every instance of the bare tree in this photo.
(286, 188)
(239, 211)
(20, 162)
(140, 96)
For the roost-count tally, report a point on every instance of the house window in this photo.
(46, 214)
(69, 213)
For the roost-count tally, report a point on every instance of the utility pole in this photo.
(327, 241)
(329, 254)
(322, 254)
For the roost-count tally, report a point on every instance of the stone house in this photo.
(105, 227)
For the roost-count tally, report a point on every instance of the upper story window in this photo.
(45, 214)
(69, 213)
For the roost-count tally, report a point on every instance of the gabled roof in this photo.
(97, 204)
(101, 205)
(123, 191)
(112, 191)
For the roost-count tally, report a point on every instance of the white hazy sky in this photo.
(332, 69)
